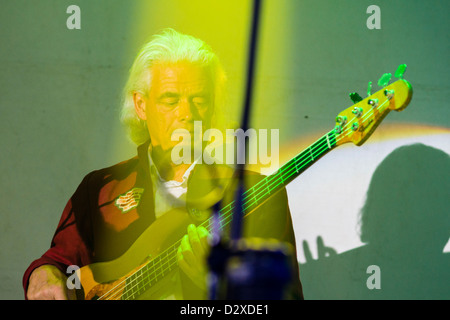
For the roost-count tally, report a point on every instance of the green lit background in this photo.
(60, 98)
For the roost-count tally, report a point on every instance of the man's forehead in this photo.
(180, 73)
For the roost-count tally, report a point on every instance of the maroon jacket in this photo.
(113, 206)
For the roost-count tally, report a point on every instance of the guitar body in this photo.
(98, 279)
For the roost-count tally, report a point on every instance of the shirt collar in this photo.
(170, 183)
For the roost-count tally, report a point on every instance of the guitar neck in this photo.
(273, 183)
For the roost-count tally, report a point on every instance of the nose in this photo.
(185, 111)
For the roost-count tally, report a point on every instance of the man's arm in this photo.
(47, 282)
(67, 248)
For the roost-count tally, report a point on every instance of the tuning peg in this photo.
(369, 88)
(384, 80)
(400, 71)
(355, 97)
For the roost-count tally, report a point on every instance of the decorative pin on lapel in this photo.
(129, 200)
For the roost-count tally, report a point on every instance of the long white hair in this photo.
(168, 46)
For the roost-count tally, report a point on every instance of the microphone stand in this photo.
(241, 270)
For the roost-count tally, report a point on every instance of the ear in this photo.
(140, 105)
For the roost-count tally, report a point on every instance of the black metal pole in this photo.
(236, 228)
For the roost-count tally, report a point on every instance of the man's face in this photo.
(180, 94)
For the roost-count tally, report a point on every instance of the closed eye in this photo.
(200, 101)
(169, 101)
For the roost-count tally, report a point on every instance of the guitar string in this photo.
(148, 279)
(118, 287)
(266, 183)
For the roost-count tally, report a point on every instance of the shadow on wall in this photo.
(405, 224)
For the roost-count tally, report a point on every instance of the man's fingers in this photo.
(204, 237)
(184, 265)
(181, 261)
(194, 246)
(194, 239)
(186, 250)
(191, 254)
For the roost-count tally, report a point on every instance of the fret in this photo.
(162, 264)
(280, 177)
(254, 201)
(254, 195)
(133, 292)
(328, 142)
(138, 279)
(155, 266)
(303, 160)
(311, 154)
(139, 286)
(126, 293)
(131, 287)
(250, 194)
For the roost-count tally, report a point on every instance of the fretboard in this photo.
(156, 269)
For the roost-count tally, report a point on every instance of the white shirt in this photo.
(168, 194)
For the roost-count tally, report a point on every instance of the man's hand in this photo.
(192, 254)
(48, 283)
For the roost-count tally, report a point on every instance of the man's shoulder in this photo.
(118, 171)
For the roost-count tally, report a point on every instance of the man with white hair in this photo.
(175, 80)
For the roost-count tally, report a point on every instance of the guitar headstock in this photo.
(356, 123)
